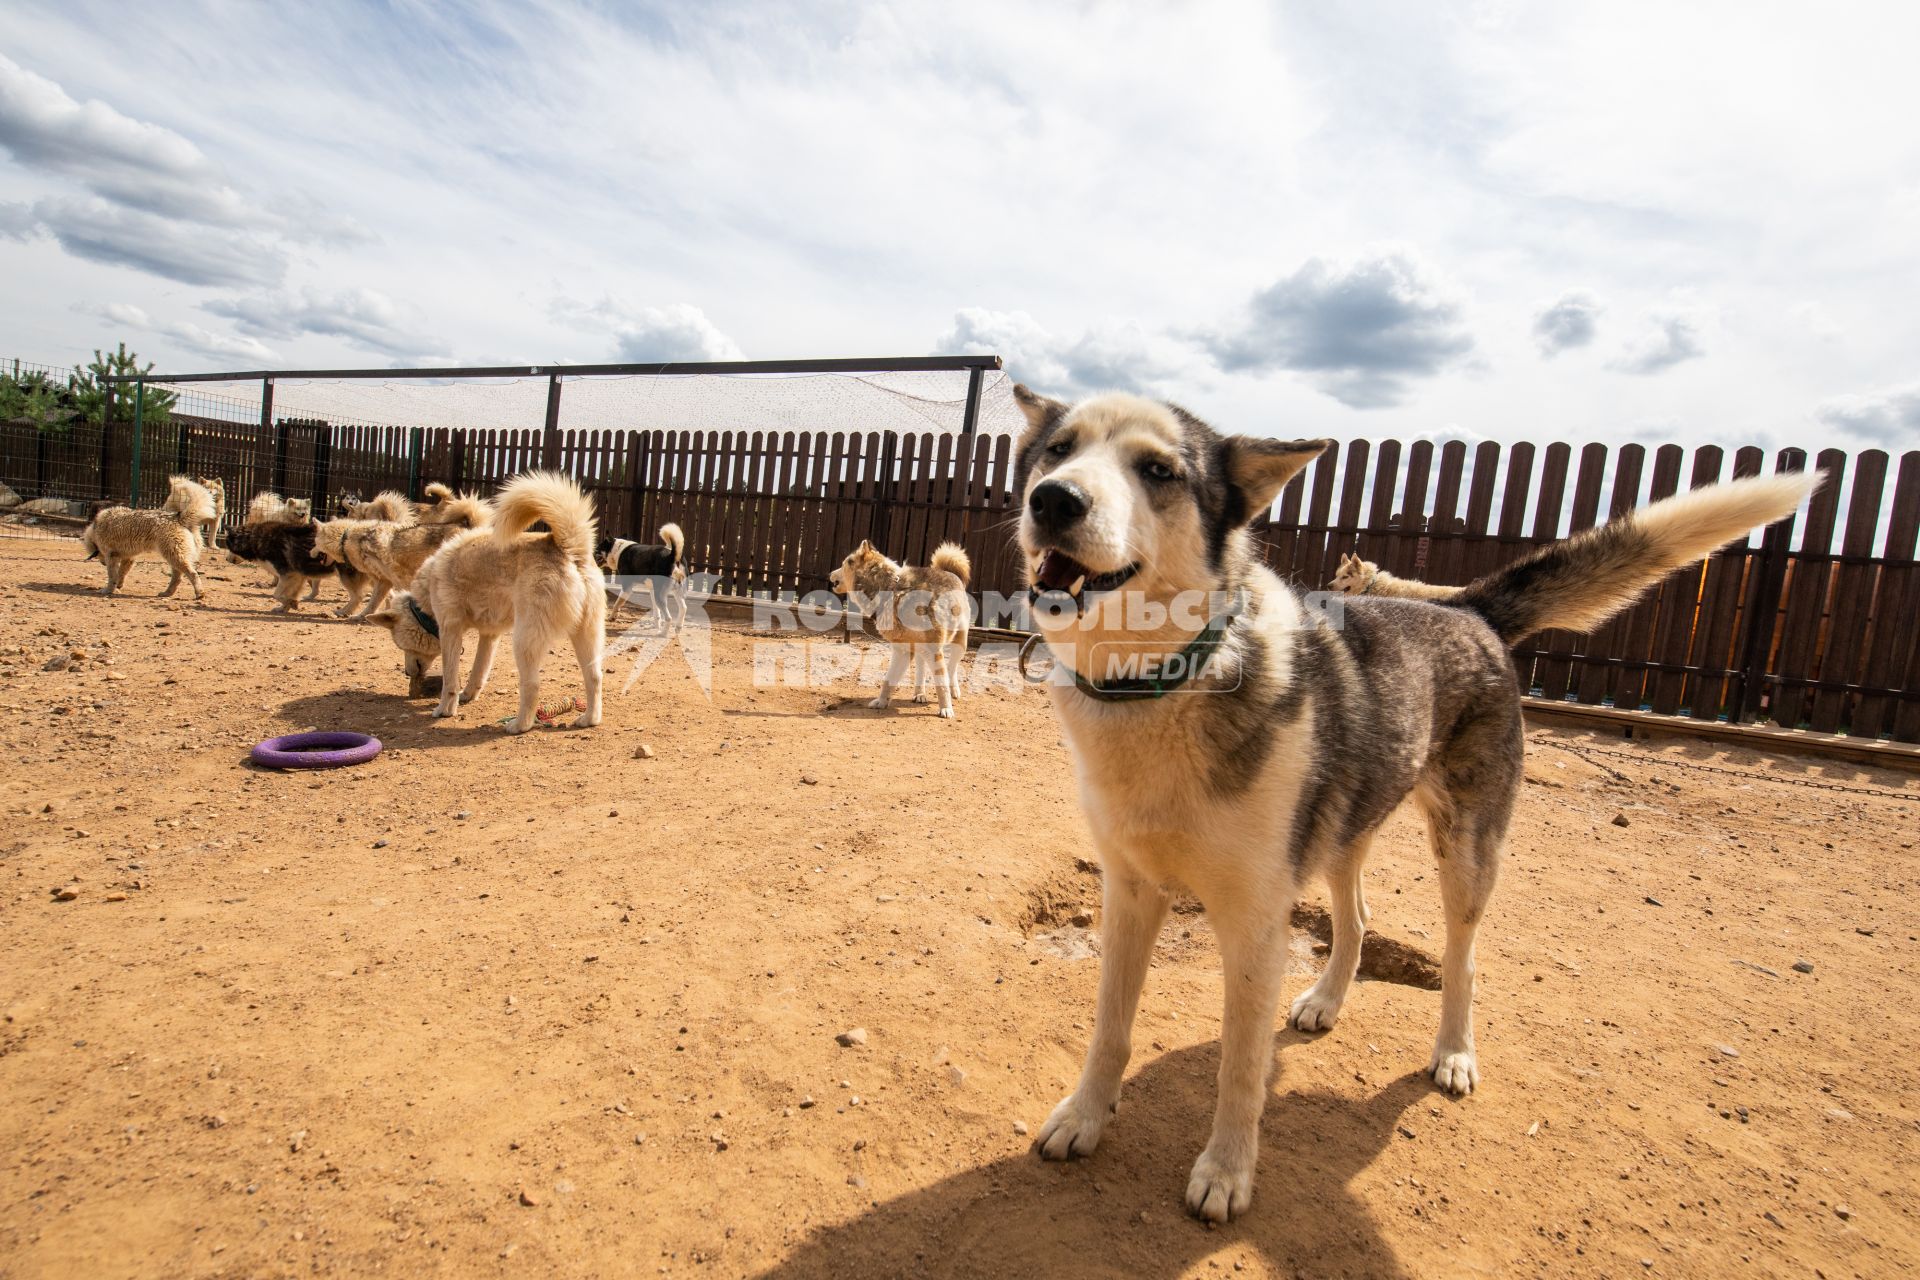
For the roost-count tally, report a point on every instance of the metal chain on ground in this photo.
(1587, 753)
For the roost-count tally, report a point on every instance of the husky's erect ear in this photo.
(866, 546)
(1258, 468)
(1042, 415)
(1039, 409)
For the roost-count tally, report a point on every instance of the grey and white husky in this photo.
(1274, 758)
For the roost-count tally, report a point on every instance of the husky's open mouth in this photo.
(1059, 571)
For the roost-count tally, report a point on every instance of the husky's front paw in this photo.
(1313, 1011)
(1455, 1070)
(1221, 1186)
(586, 720)
(946, 713)
(878, 704)
(444, 710)
(1073, 1129)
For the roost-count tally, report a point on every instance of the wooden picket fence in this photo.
(1815, 623)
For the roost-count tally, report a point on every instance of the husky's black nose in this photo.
(1056, 504)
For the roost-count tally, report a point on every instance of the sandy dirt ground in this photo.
(543, 1006)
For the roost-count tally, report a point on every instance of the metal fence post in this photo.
(266, 428)
(550, 439)
(971, 420)
(415, 442)
(139, 426)
(106, 445)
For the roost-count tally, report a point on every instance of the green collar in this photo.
(1186, 664)
(425, 619)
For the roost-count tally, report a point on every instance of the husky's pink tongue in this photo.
(1058, 572)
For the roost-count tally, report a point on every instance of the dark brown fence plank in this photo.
(1374, 540)
(1444, 527)
(1806, 596)
(1477, 548)
(1681, 599)
(1852, 595)
(1404, 553)
(1895, 642)
(1555, 673)
(1712, 645)
(1595, 680)
(1353, 488)
(1284, 530)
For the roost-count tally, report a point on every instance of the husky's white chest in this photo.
(1153, 796)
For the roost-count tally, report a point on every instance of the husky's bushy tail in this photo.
(554, 498)
(950, 556)
(1580, 583)
(390, 506)
(189, 501)
(670, 536)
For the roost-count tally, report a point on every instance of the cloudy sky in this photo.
(1653, 221)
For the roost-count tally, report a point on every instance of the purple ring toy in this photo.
(325, 750)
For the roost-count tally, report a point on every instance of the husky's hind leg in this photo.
(1467, 825)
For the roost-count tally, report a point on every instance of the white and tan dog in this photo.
(924, 613)
(489, 581)
(1232, 740)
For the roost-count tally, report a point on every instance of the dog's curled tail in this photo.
(436, 492)
(670, 536)
(547, 495)
(1580, 583)
(950, 556)
(189, 501)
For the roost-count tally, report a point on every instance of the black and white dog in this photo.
(662, 566)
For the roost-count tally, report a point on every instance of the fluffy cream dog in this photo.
(1231, 739)
(121, 535)
(923, 613)
(205, 495)
(539, 586)
(271, 508)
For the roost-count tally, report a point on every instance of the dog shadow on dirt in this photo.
(399, 721)
(94, 589)
(1120, 1212)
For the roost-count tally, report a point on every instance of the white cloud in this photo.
(1569, 321)
(647, 335)
(184, 333)
(1111, 357)
(363, 318)
(1890, 418)
(1361, 329)
(121, 236)
(156, 202)
(1673, 335)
